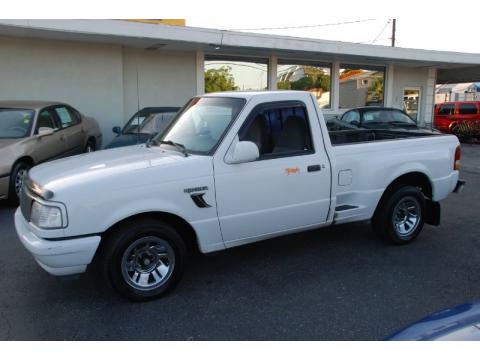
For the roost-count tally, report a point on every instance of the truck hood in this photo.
(110, 165)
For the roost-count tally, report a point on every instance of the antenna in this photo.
(138, 105)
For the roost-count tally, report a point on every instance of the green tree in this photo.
(323, 82)
(376, 89)
(283, 85)
(377, 86)
(303, 83)
(219, 80)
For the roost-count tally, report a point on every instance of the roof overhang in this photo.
(462, 74)
(212, 41)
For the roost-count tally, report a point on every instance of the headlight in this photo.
(46, 217)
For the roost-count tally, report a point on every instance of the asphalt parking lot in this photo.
(338, 283)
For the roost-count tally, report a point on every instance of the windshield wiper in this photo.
(177, 146)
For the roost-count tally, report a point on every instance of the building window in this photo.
(361, 86)
(308, 76)
(225, 73)
(411, 101)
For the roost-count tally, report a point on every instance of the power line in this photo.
(304, 26)
(381, 32)
(370, 41)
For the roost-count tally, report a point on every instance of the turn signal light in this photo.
(458, 155)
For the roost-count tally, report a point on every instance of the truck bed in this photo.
(346, 137)
(364, 159)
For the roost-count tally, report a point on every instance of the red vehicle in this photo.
(449, 116)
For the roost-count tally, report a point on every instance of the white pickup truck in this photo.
(233, 168)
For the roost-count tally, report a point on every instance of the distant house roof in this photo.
(458, 88)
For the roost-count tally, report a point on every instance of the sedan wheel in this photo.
(90, 147)
(20, 176)
(17, 177)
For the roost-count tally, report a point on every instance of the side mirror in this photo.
(45, 131)
(355, 123)
(117, 130)
(243, 151)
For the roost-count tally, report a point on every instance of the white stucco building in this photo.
(95, 65)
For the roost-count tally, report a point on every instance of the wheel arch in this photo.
(26, 158)
(92, 139)
(414, 178)
(185, 230)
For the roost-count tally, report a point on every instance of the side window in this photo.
(75, 115)
(446, 109)
(467, 109)
(351, 116)
(46, 119)
(65, 117)
(279, 130)
(401, 117)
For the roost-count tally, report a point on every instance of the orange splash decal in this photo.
(294, 170)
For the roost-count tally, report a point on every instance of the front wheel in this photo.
(17, 177)
(400, 217)
(144, 259)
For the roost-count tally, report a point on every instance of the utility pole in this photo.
(394, 29)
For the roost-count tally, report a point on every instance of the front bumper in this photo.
(57, 257)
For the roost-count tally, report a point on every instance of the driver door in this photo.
(286, 188)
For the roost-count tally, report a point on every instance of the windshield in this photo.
(150, 124)
(202, 123)
(15, 123)
(386, 117)
(145, 123)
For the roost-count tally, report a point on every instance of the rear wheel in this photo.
(143, 260)
(400, 217)
(90, 147)
(17, 176)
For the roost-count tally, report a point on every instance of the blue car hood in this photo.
(128, 139)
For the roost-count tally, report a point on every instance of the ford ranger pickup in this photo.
(232, 168)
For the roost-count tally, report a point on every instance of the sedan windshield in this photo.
(15, 123)
(202, 123)
(151, 124)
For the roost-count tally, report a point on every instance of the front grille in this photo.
(25, 203)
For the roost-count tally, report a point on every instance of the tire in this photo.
(400, 216)
(17, 175)
(90, 146)
(144, 259)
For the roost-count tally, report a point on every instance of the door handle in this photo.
(313, 168)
